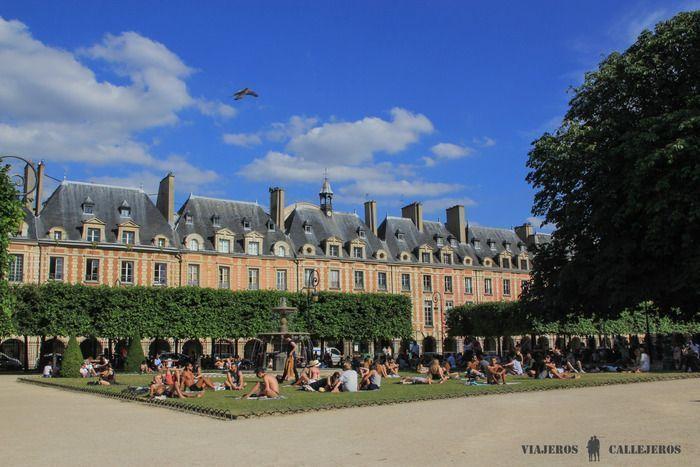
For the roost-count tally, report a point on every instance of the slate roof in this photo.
(64, 209)
(231, 216)
(341, 225)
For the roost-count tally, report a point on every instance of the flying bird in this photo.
(244, 92)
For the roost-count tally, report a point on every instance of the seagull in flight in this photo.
(244, 92)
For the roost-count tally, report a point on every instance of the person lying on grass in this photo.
(188, 380)
(416, 380)
(310, 374)
(268, 387)
(436, 373)
(555, 372)
(496, 372)
(234, 379)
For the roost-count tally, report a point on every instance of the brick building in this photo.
(98, 234)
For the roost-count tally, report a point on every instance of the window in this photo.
(307, 228)
(88, 208)
(16, 268)
(488, 287)
(128, 237)
(193, 274)
(447, 258)
(406, 282)
(523, 247)
(194, 244)
(246, 224)
(427, 283)
(161, 243)
(400, 236)
(216, 220)
(57, 235)
(160, 274)
(254, 248)
(381, 280)
(334, 279)
(281, 250)
(439, 242)
(224, 245)
(92, 270)
(124, 212)
(309, 278)
(523, 264)
(506, 286)
(334, 250)
(448, 284)
(449, 304)
(507, 245)
(253, 279)
(361, 233)
(224, 277)
(477, 244)
(270, 226)
(359, 279)
(492, 246)
(281, 279)
(55, 268)
(428, 313)
(505, 263)
(188, 218)
(127, 272)
(454, 243)
(93, 234)
(468, 285)
(357, 252)
(426, 256)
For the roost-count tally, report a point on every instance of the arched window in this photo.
(281, 250)
(194, 244)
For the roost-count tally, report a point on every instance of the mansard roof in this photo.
(64, 209)
(341, 225)
(231, 215)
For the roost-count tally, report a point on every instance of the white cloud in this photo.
(450, 151)
(245, 140)
(484, 142)
(296, 125)
(403, 188)
(428, 161)
(438, 205)
(53, 106)
(357, 142)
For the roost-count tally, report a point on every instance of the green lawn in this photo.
(229, 404)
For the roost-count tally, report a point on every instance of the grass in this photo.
(225, 404)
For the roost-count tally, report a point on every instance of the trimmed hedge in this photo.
(187, 312)
(134, 355)
(72, 359)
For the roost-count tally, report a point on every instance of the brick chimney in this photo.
(525, 232)
(371, 215)
(166, 198)
(29, 184)
(414, 211)
(39, 193)
(457, 222)
(277, 206)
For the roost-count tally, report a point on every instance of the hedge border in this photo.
(222, 414)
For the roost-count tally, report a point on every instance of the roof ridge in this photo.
(75, 182)
(254, 203)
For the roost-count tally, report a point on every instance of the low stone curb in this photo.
(222, 414)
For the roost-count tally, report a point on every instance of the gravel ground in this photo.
(46, 426)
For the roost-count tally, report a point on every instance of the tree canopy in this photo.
(10, 218)
(620, 181)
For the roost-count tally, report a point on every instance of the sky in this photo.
(436, 102)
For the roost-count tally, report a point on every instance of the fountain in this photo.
(262, 356)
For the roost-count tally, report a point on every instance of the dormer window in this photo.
(88, 206)
(270, 226)
(477, 244)
(124, 209)
(400, 235)
(307, 227)
(507, 246)
(188, 218)
(216, 220)
(438, 241)
(361, 233)
(492, 245)
(357, 252)
(522, 247)
(334, 250)
(128, 237)
(194, 244)
(246, 224)
(453, 242)
(426, 257)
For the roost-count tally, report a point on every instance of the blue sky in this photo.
(400, 101)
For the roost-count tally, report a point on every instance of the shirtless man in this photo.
(188, 380)
(496, 372)
(268, 387)
(416, 380)
(157, 388)
(234, 379)
(311, 374)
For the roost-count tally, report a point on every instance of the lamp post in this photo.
(311, 286)
(437, 301)
(19, 180)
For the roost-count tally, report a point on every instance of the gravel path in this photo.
(44, 426)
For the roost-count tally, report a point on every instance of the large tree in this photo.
(10, 218)
(620, 180)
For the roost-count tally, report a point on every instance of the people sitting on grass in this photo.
(145, 368)
(234, 379)
(436, 373)
(642, 363)
(496, 373)
(371, 380)
(392, 368)
(416, 380)
(106, 376)
(513, 367)
(348, 379)
(473, 370)
(193, 382)
(269, 386)
(310, 374)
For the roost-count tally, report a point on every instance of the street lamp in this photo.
(311, 286)
(19, 179)
(437, 302)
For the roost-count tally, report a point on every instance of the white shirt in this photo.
(644, 362)
(517, 367)
(47, 370)
(348, 380)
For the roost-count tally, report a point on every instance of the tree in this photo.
(620, 180)
(10, 217)
(134, 356)
(72, 359)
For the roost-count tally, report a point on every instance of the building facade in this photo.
(104, 235)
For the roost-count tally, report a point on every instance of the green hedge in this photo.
(72, 359)
(511, 318)
(186, 312)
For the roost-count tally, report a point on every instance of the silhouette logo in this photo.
(593, 447)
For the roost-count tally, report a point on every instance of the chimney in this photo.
(29, 185)
(39, 193)
(457, 223)
(277, 206)
(525, 232)
(166, 198)
(414, 211)
(371, 215)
